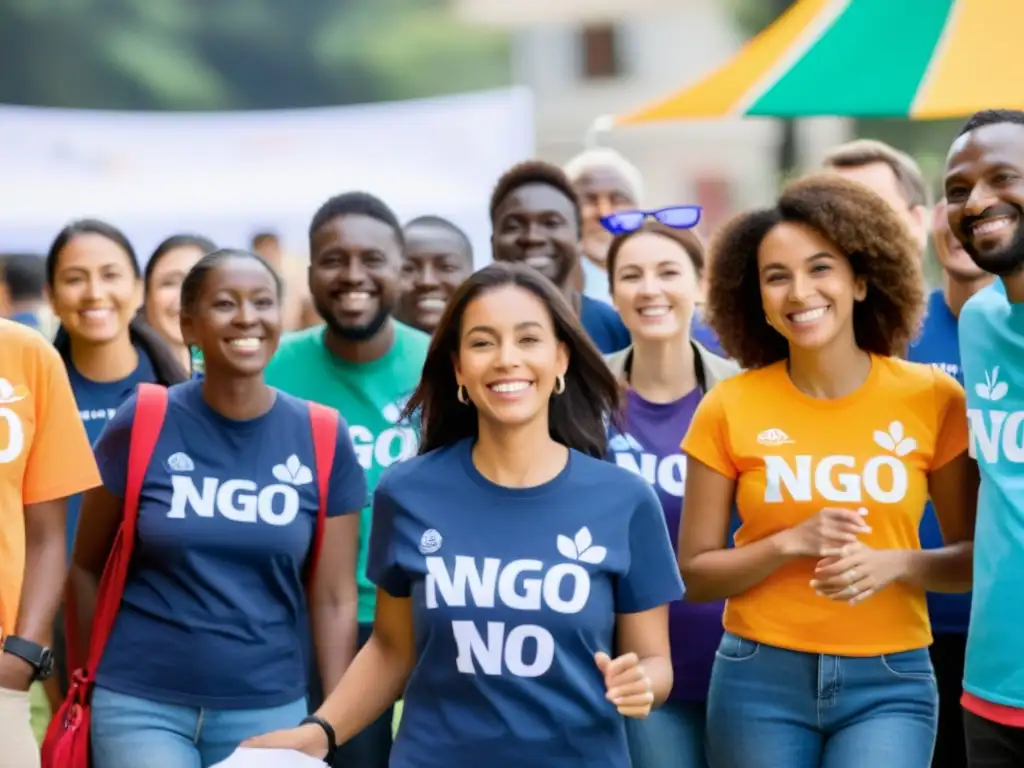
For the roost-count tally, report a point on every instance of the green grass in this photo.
(41, 712)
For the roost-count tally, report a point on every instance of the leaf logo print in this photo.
(11, 394)
(581, 547)
(566, 548)
(885, 440)
(993, 389)
(894, 441)
(293, 472)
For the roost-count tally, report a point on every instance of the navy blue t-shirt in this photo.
(513, 591)
(603, 324)
(938, 345)
(214, 611)
(97, 402)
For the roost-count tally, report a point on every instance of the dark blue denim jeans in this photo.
(769, 707)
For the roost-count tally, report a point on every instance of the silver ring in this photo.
(851, 576)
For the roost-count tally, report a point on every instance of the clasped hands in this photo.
(847, 569)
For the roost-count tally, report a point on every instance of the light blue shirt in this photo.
(992, 356)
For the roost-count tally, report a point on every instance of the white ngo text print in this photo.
(239, 500)
(882, 478)
(522, 649)
(995, 433)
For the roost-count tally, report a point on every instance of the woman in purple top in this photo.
(654, 273)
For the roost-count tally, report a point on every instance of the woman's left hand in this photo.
(629, 688)
(858, 572)
(307, 739)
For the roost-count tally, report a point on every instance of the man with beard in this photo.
(363, 363)
(984, 187)
(536, 220)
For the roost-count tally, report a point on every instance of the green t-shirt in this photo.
(370, 397)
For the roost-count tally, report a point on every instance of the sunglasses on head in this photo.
(677, 217)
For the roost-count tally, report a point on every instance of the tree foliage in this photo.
(238, 54)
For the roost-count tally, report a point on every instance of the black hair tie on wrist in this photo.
(332, 738)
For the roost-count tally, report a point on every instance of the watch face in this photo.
(45, 669)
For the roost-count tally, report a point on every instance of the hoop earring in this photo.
(559, 384)
(462, 394)
(768, 321)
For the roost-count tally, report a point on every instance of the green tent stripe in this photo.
(891, 41)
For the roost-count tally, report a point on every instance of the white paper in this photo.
(269, 758)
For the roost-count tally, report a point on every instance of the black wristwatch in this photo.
(35, 654)
(332, 738)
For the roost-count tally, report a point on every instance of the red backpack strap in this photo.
(324, 421)
(150, 409)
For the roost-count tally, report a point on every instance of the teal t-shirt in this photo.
(370, 396)
(992, 350)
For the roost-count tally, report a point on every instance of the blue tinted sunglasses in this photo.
(677, 217)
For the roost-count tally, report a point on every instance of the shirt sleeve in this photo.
(113, 446)
(346, 489)
(60, 461)
(382, 567)
(707, 439)
(951, 403)
(653, 578)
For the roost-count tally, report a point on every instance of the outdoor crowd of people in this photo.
(617, 498)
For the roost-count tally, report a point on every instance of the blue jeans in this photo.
(672, 736)
(127, 732)
(769, 707)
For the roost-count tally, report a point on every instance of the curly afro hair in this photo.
(862, 225)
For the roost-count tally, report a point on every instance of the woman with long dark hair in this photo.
(95, 287)
(523, 581)
(165, 272)
(209, 644)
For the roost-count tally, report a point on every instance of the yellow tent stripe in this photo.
(970, 71)
(724, 90)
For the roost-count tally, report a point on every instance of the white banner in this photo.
(228, 175)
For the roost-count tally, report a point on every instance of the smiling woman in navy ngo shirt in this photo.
(523, 581)
(209, 644)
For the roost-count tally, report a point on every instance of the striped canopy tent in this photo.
(920, 59)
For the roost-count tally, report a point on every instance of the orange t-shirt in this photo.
(792, 454)
(44, 451)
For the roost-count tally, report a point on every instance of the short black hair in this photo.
(992, 117)
(192, 285)
(443, 223)
(356, 203)
(24, 274)
(534, 172)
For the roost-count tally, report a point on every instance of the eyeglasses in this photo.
(677, 217)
